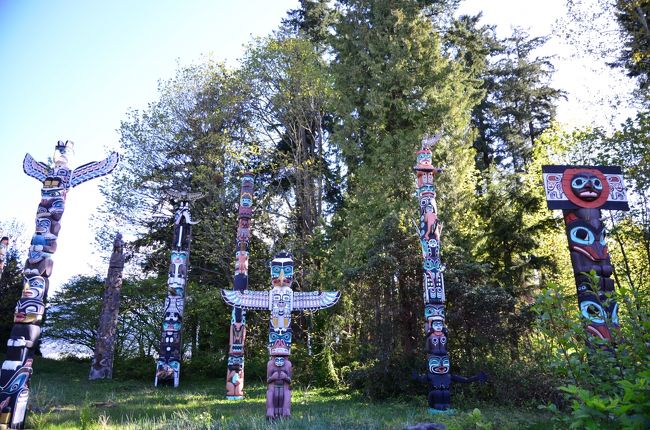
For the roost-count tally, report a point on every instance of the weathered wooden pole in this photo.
(102, 364)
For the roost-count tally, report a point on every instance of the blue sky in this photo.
(70, 70)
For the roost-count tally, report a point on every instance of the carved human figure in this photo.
(235, 376)
(278, 395)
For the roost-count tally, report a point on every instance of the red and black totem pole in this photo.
(235, 373)
(168, 367)
(582, 192)
(438, 376)
(30, 309)
(102, 364)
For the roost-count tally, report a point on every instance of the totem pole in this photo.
(102, 364)
(581, 192)
(235, 374)
(168, 366)
(438, 374)
(25, 334)
(281, 300)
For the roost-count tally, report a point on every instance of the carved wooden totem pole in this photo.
(235, 374)
(17, 367)
(102, 364)
(168, 366)
(581, 192)
(281, 301)
(438, 376)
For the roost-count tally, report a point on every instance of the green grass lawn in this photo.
(63, 398)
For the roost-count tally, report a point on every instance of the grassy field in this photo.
(63, 398)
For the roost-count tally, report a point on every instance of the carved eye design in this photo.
(596, 183)
(592, 311)
(603, 235)
(582, 235)
(578, 182)
(18, 383)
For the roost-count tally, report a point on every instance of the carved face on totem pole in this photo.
(237, 338)
(241, 261)
(63, 151)
(52, 204)
(584, 187)
(235, 363)
(439, 364)
(280, 341)
(246, 196)
(178, 265)
(243, 230)
(435, 330)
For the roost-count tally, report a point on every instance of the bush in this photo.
(605, 387)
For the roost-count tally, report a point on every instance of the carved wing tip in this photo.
(33, 168)
(428, 141)
(227, 296)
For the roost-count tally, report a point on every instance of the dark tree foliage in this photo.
(518, 103)
(11, 285)
(632, 17)
(313, 19)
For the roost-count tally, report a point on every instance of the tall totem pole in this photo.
(281, 300)
(581, 192)
(438, 376)
(102, 364)
(235, 374)
(168, 367)
(23, 340)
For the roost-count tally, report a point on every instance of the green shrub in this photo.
(606, 388)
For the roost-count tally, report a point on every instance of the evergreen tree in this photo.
(393, 86)
(11, 285)
(632, 17)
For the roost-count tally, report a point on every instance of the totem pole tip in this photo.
(184, 196)
(428, 141)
